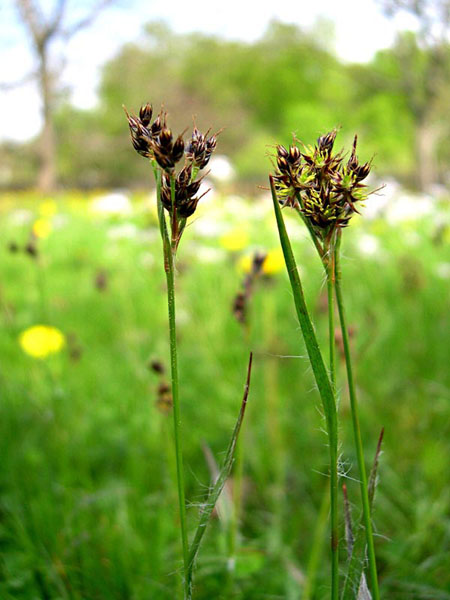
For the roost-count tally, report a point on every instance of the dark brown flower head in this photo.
(156, 126)
(281, 151)
(156, 141)
(283, 164)
(165, 139)
(258, 262)
(196, 148)
(358, 171)
(164, 400)
(294, 155)
(242, 299)
(145, 114)
(141, 137)
(185, 175)
(320, 184)
(156, 366)
(200, 148)
(178, 149)
(31, 248)
(325, 142)
(185, 201)
(162, 149)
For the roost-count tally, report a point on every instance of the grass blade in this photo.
(355, 579)
(366, 509)
(218, 486)
(349, 536)
(374, 470)
(312, 346)
(321, 377)
(169, 268)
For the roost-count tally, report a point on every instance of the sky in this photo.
(360, 30)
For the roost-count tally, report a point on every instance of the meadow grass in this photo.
(87, 490)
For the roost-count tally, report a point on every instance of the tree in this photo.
(43, 30)
(424, 77)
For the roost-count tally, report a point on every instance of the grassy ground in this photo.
(87, 493)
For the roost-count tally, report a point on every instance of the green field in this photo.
(88, 505)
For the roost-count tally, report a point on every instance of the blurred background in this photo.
(87, 492)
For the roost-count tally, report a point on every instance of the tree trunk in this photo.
(47, 149)
(426, 137)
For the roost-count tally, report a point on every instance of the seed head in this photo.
(156, 127)
(141, 138)
(31, 249)
(325, 142)
(178, 149)
(156, 141)
(145, 114)
(196, 148)
(281, 151)
(185, 201)
(157, 366)
(319, 183)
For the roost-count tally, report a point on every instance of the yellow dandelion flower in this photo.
(274, 262)
(245, 263)
(48, 208)
(234, 240)
(40, 341)
(42, 228)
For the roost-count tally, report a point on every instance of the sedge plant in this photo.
(324, 188)
(177, 168)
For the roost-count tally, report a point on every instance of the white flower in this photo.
(115, 203)
(221, 168)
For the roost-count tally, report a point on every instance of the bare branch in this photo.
(58, 16)
(6, 86)
(87, 20)
(32, 18)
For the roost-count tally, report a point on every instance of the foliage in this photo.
(86, 485)
(286, 82)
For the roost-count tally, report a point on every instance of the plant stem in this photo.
(330, 271)
(169, 268)
(328, 260)
(356, 428)
(217, 488)
(233, 531)
(322, 380)
(176, 406)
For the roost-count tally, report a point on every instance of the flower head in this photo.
(320, 183)
(40, 341)
(42, 228)
(156, 141)
(234, 240)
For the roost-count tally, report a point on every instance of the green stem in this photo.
(322, 380)
(170, 277)
(330, 270)
(176, 406)
(234, 520)
(328, 259)
(217, 488)
(356, 428)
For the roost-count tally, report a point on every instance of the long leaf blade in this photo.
(217, 488)
(354, 579)
(323, 383)
(312, 346)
